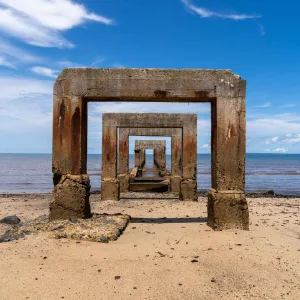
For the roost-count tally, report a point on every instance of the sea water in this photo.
(31, 173)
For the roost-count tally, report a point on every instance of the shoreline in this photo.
(201, 193)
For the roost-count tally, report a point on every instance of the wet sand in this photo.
(167, 252)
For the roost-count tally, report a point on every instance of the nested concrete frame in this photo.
(176, 153)
(110, 185)
(74, 88)
(159, 152)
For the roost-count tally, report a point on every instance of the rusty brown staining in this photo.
(202, 94)
(160, 94)
(189, 146)
(123, 146)
(108, 146)
(75, 141)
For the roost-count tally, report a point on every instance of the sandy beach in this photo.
(166, 252)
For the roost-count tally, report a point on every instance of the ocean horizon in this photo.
(32, 172)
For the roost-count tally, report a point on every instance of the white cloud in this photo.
(261, 29)
(264, 127)
(267, 104)
(271, 140)
(11, 56)
(70, 64)
(204, 146)
(20, 87)
(280, 150)
(26, 105)
(98, 60)
(4, 62)
(40, 22)
(292, 138)
(44, 71)
(287, 106)
(205, 13)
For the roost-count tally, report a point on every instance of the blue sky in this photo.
(259, 40)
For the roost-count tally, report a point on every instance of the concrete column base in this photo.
(110, 189)
(227, 210)
(70, 198)
(175, 183)
(188, 190)
(124, 183)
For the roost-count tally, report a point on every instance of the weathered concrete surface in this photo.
(188, 123)
(176, 153)
(159, 148)
(110, 189)
(188, 191)
(227, 210)
(175, 184)
(98, 228)
(133, 174)
(223, 89)
(71, 198)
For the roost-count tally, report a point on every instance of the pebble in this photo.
(103, 239)
(10, 220)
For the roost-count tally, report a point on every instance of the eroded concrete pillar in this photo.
(160, 157)
(70, 197)
(227, 205)
(176, 160)
(110, 189)
(123, 160)
(189, 160)
(139, 157)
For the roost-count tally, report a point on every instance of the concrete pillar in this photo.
(70, 197)
(139, 156)
(160, 157)
(189, 160)
(110, 189)
(227, 205)
(123, 159)
(176, 160)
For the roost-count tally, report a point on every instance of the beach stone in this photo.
(9, 236)
(103, 239)
(74, 220)
(10, 220)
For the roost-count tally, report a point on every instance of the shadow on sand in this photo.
(168, 220)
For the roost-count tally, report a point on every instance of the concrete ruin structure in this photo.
(110, 184)
(225, 91)
(176, 153)
(159, 153)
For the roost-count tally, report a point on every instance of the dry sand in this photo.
(153, 258)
